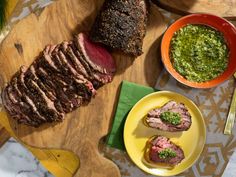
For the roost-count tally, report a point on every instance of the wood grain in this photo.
(82, 129)
(223, 8)
(4, 136)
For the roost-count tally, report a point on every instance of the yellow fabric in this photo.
(10, 7)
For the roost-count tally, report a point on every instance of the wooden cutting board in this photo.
(82, 130)
(223, 8)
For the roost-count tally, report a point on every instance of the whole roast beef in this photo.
(154, 117)
(61, 79)
(161, 151)
(121, 24)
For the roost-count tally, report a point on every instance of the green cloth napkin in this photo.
(130, 94)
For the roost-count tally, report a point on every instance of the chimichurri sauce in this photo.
(199, 53)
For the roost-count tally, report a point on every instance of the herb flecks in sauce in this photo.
(199, 53)
(167, 153)
(171, 117)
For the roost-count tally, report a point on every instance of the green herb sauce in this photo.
(171, 117)
(167, 153)
(199, 53)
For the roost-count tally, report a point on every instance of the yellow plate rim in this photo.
(201, 117)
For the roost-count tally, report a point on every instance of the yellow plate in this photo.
(136, 133)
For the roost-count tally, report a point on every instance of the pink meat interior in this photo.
(98, 54)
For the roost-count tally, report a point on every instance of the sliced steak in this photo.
(96, 81)
(121, 24)
(69, 70)
(98, 63)
(59, 80)
(8, 104)
(96, 56)
(56, 86)
(22, 105)
(14, 109)
(71, 88)
(43, 67)
(22, 112)
(161, 150)
(62, 82)
(31, 74)
(83, 68)
(32, 110)
(154, 119)
(43, 104)
(45, 60)
(68, 50)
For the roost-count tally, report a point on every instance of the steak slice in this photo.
(98, 63)
(8, 104)
(83, 68)
(96, 56)
(154, 119)
(68, 69)
(75, 63)
(59, 77)
(44, 60)
(121, 24)
(28, 108)
(33, 110)
(43, 104)
(15, 109)
(31, 74)
(44, 66)
(23, 109)
(96, 81)
(62, 103)
(160, 150)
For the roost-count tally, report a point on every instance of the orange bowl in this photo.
(218, 23)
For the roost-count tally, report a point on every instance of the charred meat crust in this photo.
(121, 24)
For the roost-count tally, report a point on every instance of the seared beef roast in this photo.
(172, 109)
(161, 151)
(121, 24)
(98, 63)
(61, 79)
